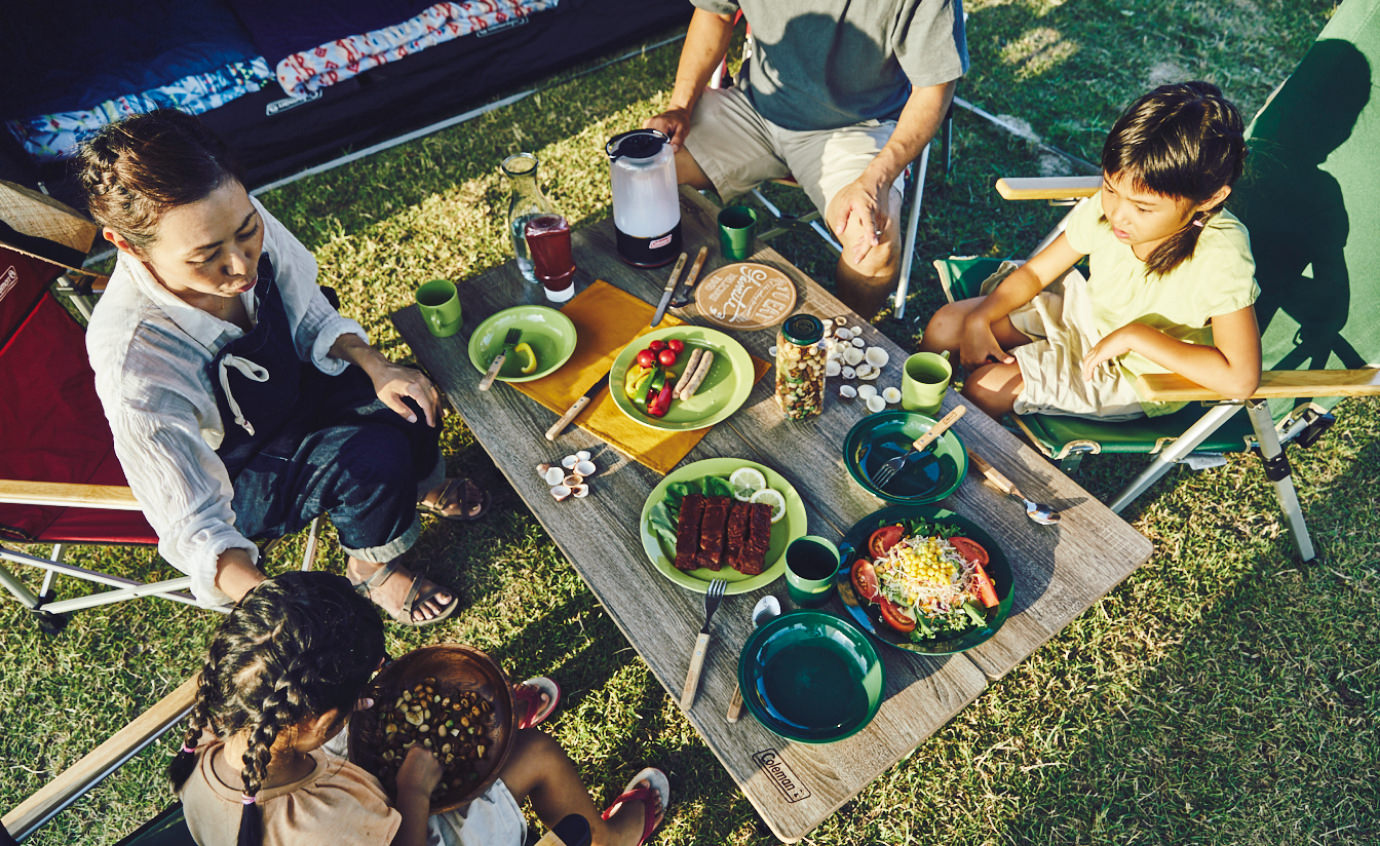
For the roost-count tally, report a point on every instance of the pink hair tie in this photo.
(1198, 223)
(188, 749)
(246, 799)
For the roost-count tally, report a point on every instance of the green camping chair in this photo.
(1311, 199)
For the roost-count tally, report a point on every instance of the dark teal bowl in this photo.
(810, 676)
(930, 477)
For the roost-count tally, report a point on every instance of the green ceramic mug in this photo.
(924, 380)
(736, 227)
(439, 302)
(811, 564)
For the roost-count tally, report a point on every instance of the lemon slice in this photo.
(768, 496)
(527, 360)
(746, 481)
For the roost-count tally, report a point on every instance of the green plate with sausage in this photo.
(722, 392)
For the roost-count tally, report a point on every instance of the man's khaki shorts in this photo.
(737, 149)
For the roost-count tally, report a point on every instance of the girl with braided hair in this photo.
(283, 672)
(1171, 282)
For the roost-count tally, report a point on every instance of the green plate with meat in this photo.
(723, 390)
(660, 516)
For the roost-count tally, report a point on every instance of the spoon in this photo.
(1039, 512)
(766, 608)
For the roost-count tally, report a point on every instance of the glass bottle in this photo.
(527, 201)
(800, 359)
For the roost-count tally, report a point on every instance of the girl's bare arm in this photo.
(978, 343)
(1229, 366)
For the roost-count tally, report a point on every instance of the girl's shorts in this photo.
(1052, 363)
(494, 819)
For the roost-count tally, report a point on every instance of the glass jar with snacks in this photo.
(800, 357)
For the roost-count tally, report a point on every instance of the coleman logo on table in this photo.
(781, 775)
(8, 280)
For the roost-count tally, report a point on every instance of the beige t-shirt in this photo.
(336, 804)
(1218, 279)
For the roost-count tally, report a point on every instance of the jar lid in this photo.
(637, 144)
(803, 329)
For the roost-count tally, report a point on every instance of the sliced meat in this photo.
(688, 531)
(712, 526)
(736, 533)
(751, 559)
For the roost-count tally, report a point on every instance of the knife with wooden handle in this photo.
(575, 408)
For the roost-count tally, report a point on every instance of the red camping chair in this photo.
(60, 482)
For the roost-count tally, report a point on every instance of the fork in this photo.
(712, 598)
(892, 466)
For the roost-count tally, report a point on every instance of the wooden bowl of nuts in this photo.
(450, 698)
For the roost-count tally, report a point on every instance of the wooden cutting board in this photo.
(746, 295)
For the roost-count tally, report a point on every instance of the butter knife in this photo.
(670, 289)
(691, 277)
(576, 407)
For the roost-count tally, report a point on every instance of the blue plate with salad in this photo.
(924, 579)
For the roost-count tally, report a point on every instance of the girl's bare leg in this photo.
(994, 388)
(539, 769)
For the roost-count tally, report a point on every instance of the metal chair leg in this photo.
(912, 228)
(1175, 452)
(1278, 471)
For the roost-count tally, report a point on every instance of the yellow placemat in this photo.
(606, 320)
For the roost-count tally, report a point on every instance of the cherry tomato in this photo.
(895, 617)
(884, 539)
(675, 345)
(646, 358)
(667, 357)
(971, 550)
(865, 580)
(657, 346)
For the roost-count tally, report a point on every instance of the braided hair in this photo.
(1185, 141)
(137, 168)
(295, 647)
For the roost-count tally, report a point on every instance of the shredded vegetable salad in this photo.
(930, 586)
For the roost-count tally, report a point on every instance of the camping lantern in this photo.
(646, 208)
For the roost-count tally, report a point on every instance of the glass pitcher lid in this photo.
(637, 144)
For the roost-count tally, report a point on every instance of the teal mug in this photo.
(811, 564)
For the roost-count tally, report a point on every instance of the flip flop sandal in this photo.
(416, 595)
(527, 700)
(658, 787)
(442, 505)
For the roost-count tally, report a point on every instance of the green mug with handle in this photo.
(439, 303)
(811, 563)
(924, 380)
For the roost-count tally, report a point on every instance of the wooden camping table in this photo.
(1059, 571)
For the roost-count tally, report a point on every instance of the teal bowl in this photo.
(811, 677)
(886, 434)
(550, 334)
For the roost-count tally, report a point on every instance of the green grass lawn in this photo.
(1223, 694)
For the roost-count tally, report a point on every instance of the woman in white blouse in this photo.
(242, 403)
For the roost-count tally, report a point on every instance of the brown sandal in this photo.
(416, 595)
(471, 503)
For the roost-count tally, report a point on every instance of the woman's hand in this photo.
(393, 383)
(420, 772)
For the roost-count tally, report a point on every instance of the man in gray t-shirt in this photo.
(840, 94)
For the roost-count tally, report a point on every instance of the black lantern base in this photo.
(648, 252)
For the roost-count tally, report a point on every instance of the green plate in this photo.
(724, 389)
(550, 334)
(933, 475)
(663, 551)
(810, 676)
(868, 616)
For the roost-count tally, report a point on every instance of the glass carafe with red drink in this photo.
(526, 202)
(548, 240)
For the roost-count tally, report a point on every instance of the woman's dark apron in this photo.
(299, 442)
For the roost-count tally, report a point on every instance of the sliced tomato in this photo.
(884, 539)
(971, 550)
(894, 616)
(864, 578)
(987, 591)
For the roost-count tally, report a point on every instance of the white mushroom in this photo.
(560, 492)
(832, 367)
(852, 356)
(553, 475)
(892, 395)
(586, 468)
(867, 392)
(876, 404)
(570, 461)
(877, 357)
(847, 392)
(847, 372)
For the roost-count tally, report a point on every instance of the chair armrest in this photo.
(86, 773)
(115, 497)
(1274, 384)
(1049, 187)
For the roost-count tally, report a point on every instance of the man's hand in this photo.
(858, 216)
(675, 123)
(394, 382)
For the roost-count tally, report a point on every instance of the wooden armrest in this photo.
(1274, 384)
(99, 762)
(116, 497)
(1049, 187)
